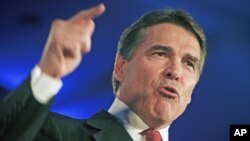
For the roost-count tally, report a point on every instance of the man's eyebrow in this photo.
(161, 48)
(192, 58)
(169, 49)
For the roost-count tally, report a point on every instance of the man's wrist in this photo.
(44, 87)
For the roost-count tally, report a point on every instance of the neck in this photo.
(152, 123)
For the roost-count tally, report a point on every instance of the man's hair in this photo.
(133, 35)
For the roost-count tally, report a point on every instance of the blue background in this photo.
(221, 98)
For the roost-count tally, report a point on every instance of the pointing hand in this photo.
(68, 41)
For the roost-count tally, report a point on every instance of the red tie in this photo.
(151, 135)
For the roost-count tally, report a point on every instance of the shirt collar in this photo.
(131, 121)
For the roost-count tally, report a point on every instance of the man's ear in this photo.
(120, 67)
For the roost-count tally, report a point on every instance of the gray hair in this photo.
(134, 34)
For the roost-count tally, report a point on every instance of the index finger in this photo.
(90, 13)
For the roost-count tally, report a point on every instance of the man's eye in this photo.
(160, 53)
(189, 63)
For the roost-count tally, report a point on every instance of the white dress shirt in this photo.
(43, 86)
(132, 122)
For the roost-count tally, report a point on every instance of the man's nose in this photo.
(173, 70)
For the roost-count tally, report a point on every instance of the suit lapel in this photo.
(109, 128)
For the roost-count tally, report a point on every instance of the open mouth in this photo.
(169, 92)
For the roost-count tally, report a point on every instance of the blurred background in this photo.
(221, 98)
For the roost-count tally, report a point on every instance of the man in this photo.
(159, 61)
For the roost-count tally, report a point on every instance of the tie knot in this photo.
(151, 135)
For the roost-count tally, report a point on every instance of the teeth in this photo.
(169, 89)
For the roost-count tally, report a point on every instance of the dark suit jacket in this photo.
(22, 118)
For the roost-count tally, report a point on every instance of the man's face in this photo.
(158, 81)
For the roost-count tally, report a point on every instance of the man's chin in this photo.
(163, 118)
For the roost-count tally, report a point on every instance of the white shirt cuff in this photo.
(44, 87)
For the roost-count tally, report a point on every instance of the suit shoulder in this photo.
(64, 120)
